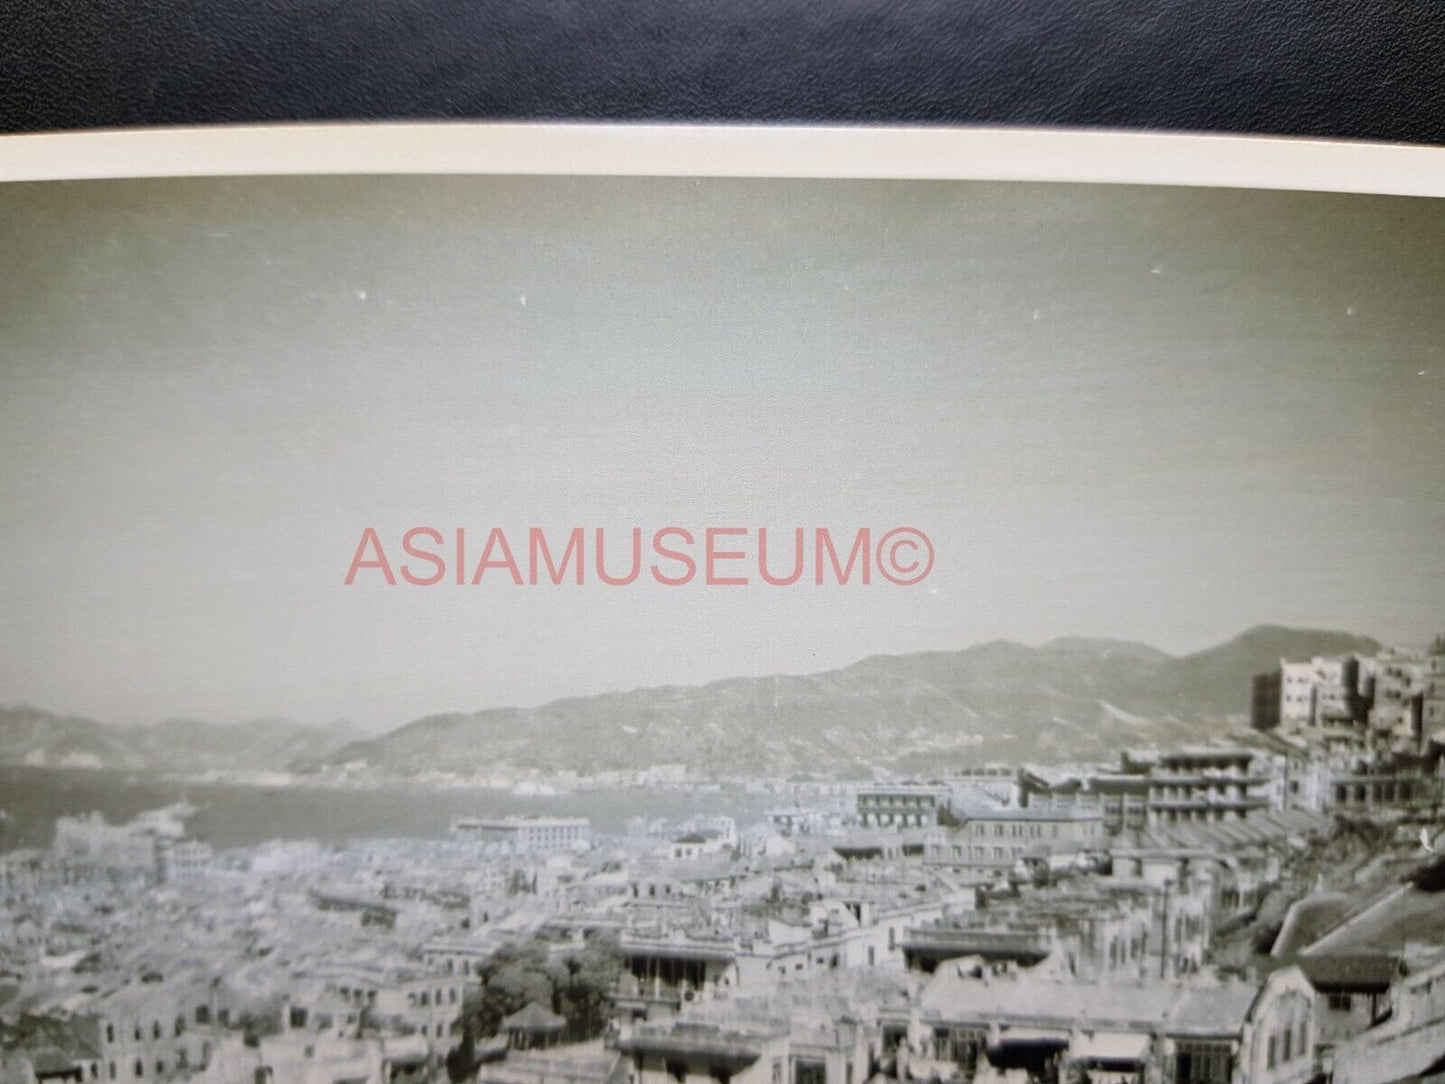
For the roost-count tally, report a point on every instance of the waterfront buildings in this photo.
(525, 835)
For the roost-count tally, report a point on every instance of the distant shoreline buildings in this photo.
(525, 835)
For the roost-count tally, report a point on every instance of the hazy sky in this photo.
(1154, 414)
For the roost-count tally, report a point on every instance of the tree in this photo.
(585, 992)
(461, 1061)
(512, 977)
(579, 987)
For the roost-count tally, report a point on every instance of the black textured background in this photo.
(1343, 68)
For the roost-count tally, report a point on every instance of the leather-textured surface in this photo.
(1342, 68)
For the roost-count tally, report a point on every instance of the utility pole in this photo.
(1164, 939)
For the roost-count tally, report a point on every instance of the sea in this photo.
(242, 815)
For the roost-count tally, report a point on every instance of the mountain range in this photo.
(31, 736)
(1069, 699)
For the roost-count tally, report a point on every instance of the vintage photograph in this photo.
(720, 630)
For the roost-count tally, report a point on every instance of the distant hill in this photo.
(31, 736)
(1069, 699)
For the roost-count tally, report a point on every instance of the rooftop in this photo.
(1179, 1008)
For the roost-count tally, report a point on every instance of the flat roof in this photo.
(521, 822)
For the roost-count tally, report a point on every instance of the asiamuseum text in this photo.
(422, 556)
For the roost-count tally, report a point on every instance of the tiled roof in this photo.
(1362, 972)
(533, 1017)
(1173, 1007)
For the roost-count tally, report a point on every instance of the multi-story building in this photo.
(525, 835)
(1406, 1042)
(1122, 928)
(153, 845)
(966, 1028)
(1305, 781)
(1203, 784)
(31, 872)
(996, 785)
(865, 930)
(122, 848)
(795, 821)
(1123, 800)
(1324, 697)
(320, 1043)
(163, 1030)
(823, 1030)
(756, 1050)
(34, 1049)
(418, 1000)
(1396, 701)
(997, 840)
(903, 805)
(1432, 696)
(1399, 781)
(1206, 783)
(182, 859)
(1095, 938)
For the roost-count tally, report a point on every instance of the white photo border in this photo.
(731, 150)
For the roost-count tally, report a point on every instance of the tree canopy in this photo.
(578, 985)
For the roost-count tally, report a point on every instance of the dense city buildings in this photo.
(1393, 700)
(1264, 908)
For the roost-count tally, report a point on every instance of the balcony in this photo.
(1212, 801)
